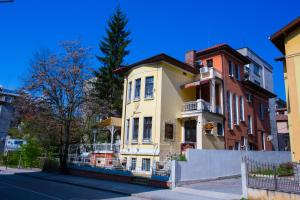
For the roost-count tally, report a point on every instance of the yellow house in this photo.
(287, 40)
(162, 115)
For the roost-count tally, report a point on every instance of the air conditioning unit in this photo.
(203, 70)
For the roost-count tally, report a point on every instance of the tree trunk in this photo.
(65, 148)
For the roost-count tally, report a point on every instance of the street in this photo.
(14, 187)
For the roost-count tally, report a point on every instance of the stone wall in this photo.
(260, 194)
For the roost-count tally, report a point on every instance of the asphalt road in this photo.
(14, 187)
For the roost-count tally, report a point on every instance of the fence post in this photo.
(244, 178)
(275, 177)
(173, 174)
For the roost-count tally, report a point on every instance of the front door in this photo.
(190, 131)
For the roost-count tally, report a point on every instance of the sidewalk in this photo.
(139, 191)
(9, 170)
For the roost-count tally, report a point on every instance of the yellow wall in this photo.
(292, 83)
(173, 98)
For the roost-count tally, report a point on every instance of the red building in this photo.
(246, 118)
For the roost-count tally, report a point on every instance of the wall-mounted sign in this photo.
(209, 126)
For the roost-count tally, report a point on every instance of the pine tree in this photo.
(113, 47)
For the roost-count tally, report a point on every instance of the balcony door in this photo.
(190, 131)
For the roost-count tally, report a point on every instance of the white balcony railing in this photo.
(199, 105)
(209, 73)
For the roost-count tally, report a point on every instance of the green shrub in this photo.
(30, 153)
(181, 157)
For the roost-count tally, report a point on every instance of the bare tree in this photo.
(58, 80)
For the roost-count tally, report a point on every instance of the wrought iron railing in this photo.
(278, 177)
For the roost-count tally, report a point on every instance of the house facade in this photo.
(204, 103)
(287, 40)
(260, 72)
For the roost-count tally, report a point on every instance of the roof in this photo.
(278, 37)
(223, 47)
(112, 121)
(258, 89)
(158, 58)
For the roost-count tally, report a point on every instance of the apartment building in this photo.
(282, 126)
(287, 40)
(260, 72)
(6, 113)
(204, 103)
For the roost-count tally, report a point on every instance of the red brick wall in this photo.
(220, 60)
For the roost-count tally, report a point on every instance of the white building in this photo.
(261, 73)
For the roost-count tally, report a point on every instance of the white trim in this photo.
(140, 151)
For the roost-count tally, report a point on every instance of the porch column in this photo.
(112, 131)
(221, 98)
(199, 130)
(212, 87)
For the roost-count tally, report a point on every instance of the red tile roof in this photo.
(278, 37)
(223, 47)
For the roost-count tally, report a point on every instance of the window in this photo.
(129, 91)
(147, 129)
(263, 141)
(149, 87)
(236, 109)
(127, 131)
(242, 109)
(237, 72)
(133, 163)
(231, 70)
(137, 90)
(250, 98)
(209, 63)
(261, 111)
(169, 131)
(257, 70)
(220, 129)
(229, 109)
(135, 129)
(146, 164)
(250, 128)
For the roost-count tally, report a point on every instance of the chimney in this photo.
(190, 57)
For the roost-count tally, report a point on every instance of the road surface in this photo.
(14, 187)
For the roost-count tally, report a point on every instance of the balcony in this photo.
(200, 105)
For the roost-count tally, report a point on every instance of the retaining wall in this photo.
(214, 164)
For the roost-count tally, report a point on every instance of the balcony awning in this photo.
(194, 84)
(112, 121)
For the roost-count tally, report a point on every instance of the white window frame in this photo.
(237, 116)
(132, 164)
(230, 112)
(133, 128)
(250, 124)
(127, 129)
(135, 90)
(242, 104)
(152, 92)
(144, 159)
(129, 88)
(263, 137)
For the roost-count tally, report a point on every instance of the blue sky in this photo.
(172, 27)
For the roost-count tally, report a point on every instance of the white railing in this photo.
(94, 148)
(199, 105)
